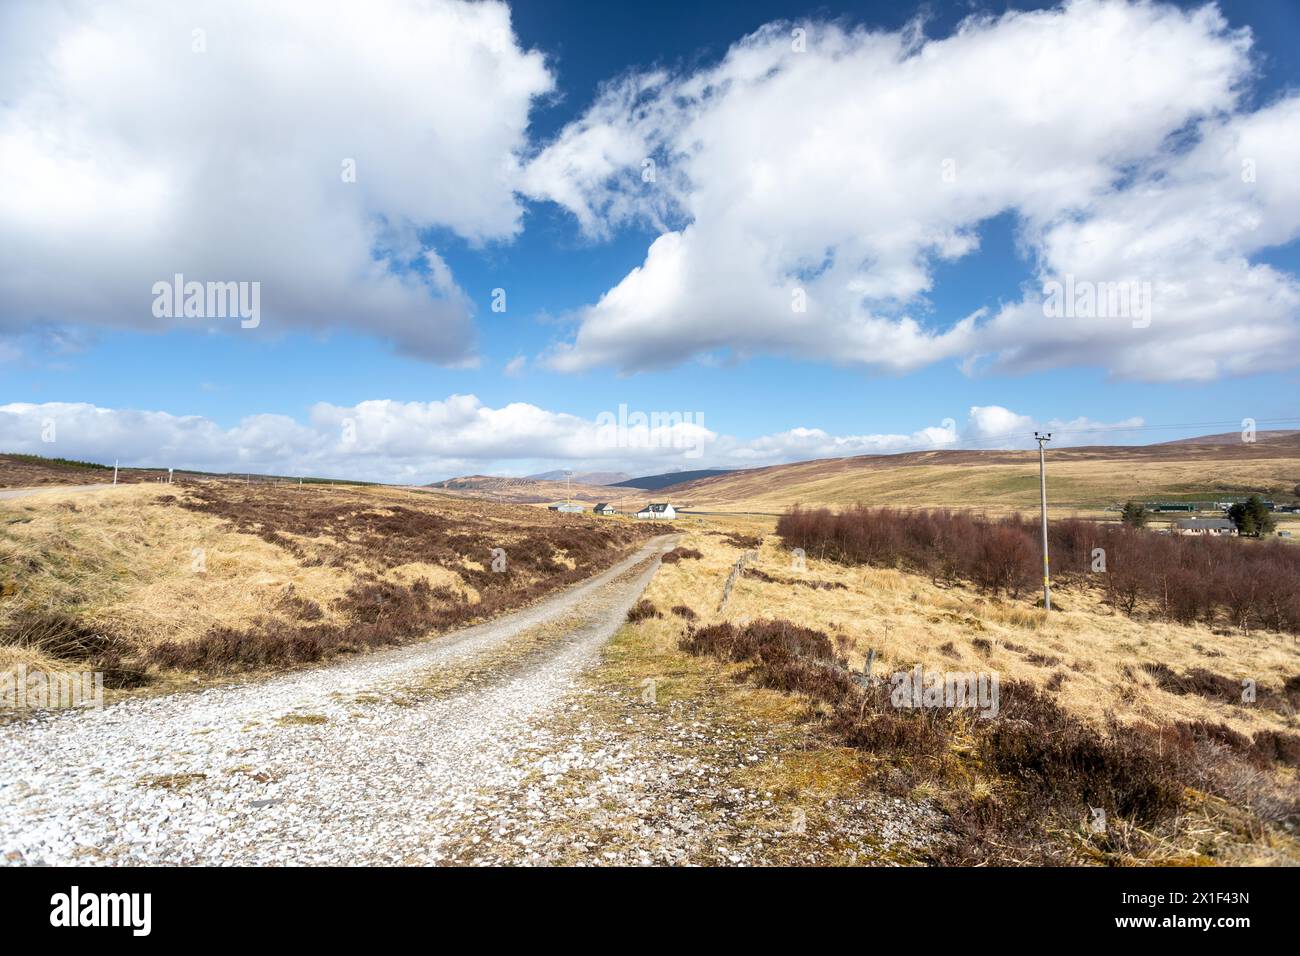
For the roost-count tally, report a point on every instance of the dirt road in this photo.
(381, 759)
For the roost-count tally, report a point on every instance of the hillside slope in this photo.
(521, 490)
(583, 477)
(146, 581)
(668, 479)
(33, 471)
(1083, 478)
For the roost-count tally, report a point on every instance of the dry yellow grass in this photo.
(118, 560)
(908, 620)
(804, 775)
(132, 564)
(434, 574)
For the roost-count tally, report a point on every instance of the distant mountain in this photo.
(1234, 438)
(1209, 467)
(521, 490)
(584, 477)
(1086, 478)
(655, 482)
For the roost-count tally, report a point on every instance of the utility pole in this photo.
(1042, 488)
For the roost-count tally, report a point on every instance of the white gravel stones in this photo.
(664, 792)
(220, 777)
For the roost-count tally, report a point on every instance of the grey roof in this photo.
(602, 505)
(662, 506)
(1206, 524)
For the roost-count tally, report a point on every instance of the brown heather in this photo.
(1050, 767)
(293, 575)
(1239, 583)
(642, 610)
(682, 554)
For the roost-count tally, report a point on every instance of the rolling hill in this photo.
(1230, 438)
(1081, 478)
(21, 471)
(585, 477)
(522, 490)
(669, 479)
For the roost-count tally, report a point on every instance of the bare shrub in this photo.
(787, 657)
(64, 637)
(1274, 745)
(1243, 584)
(682, 554)
(870, 722)
(304, 609)
(642, 610)
(1198, 680)
(1066, 761)
(1042, 660)
(1053, 765)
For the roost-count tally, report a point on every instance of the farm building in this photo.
(568, 508)
(1213, 526)
(1225, 505)
(605, 508)
(657, 511)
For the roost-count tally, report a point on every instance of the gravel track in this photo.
(334, 765)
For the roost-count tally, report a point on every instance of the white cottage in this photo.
(661, 511)
(1210, 526)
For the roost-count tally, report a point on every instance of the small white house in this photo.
(605, 508)
(657, 512)
(1210, 526)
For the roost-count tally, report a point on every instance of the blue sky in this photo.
(554, 271)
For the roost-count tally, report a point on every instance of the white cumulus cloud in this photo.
(804, 197)
(300, 145)
(418, 442)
